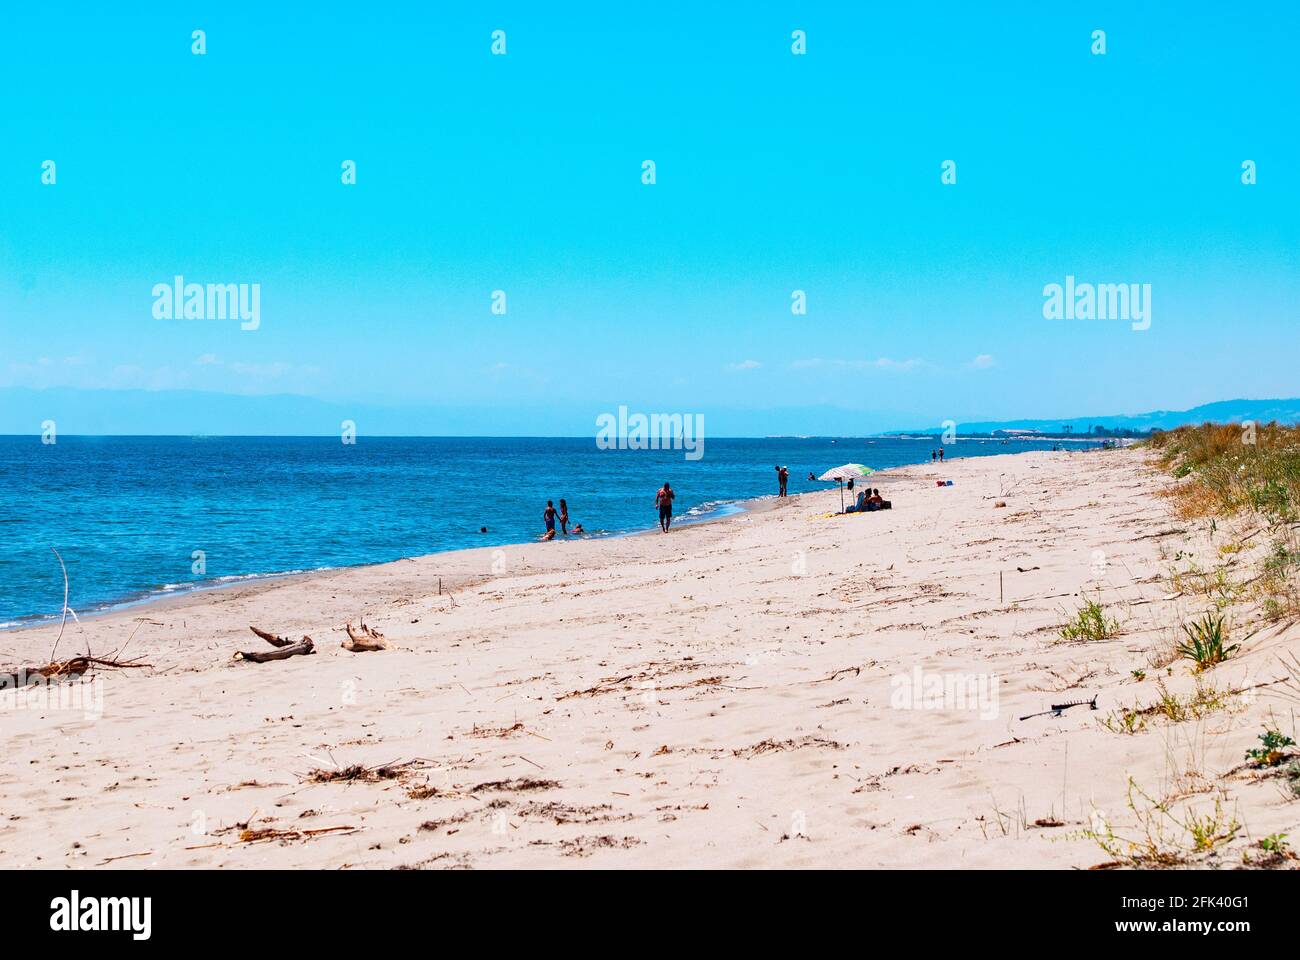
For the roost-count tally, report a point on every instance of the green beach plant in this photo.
(1273, 749)
(1275, 843)
(1206, 643)
(1089, 623)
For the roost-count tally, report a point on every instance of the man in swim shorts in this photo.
(664, 501)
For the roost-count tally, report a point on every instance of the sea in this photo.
(135, 518)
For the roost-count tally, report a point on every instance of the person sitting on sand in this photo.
(548, 517)
(664, 501)
(876, 500)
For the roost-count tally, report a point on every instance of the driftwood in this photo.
(26, 676)
(364, 639)
(64, 621)
(304, 646)
(271, 638)
(284, 649)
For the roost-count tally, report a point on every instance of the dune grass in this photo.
(1239, 469)
(1231, 467)
(1167, 833)
(1089, 622)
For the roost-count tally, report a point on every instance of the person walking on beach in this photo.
(664, 501)
(564, 517)
(548, 517)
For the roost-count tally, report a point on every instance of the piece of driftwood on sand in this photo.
(284, 648)
(364, 639)
(26, 676)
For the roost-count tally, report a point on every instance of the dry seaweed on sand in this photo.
(621, 685)
(356, 773)
(478, 731)
(585, 846)
(517, 785)
(776, 746)
(263, 834)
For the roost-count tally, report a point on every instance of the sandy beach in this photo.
(756, 691)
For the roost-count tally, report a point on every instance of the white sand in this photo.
(738, 707)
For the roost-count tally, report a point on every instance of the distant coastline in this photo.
(194, 412)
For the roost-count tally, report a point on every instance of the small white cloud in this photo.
(744, 365)
(207, 360)
(982, 362)
(881, 363)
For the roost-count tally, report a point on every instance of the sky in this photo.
(775, 172)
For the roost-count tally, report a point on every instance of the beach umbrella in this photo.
(847, 471)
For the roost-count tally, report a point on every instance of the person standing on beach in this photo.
(783, 474)
(548, 517)
(933, 456)
(564, 517)
(941, 454)
(780, 486)
(664, 501)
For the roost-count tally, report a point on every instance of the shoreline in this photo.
(107, 584)
(162, 596)
(238, 581)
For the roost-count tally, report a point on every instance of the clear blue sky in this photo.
(775, 172)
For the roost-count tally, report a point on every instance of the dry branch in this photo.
(303, 647)
(271, 638)
(364, 639)
(63, 622)
(26, 676)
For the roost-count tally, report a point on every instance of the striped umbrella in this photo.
(848, 471)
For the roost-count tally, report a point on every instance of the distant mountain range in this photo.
(188, 413)
(1223, 411)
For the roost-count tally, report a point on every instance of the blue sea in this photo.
(128, 513)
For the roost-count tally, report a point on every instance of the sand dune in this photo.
(729, 695)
